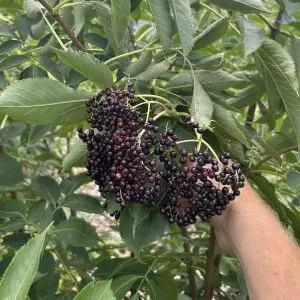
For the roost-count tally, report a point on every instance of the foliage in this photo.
(234, 65)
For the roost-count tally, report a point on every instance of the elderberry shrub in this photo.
(118, 161)
(199, 186)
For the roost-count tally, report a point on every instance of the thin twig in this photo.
(268, 157)
(208, 290)
(189, 267)
(64, 26)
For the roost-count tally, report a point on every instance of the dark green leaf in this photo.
(12, 208)
(33, 71)
(211, 33)
(12, 225)
(76, 232)
(140, 65)
(84, 203)
(79, 17)
(47, 188)
(6, 30)
(50, 66)
(9, 46)
(278, 64)
(12, 61)
(76, 157)
(10, 171)
(293, 179)
(120, 10)
(10, 132)
(88, 66)
(294, 50)
(154, 71)
(71, 184)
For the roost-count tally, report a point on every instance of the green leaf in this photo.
(71, 184)
(201, 108)
(278, 64)
(76, 232)
(243, 6)
(163, 22)
(253, 35)
(50, 66)
(225, 120)
(20, 273)
(12, 61)
(211, 33)
(140, 65)
(184, 21)
(246, 97)
(79, 17)
(138, 235)
(47, 188)
(10, 171)
(87, 65)
(105, 14)
(154, 71)
(12, 225)
(294, 50)
(115, 267)
(293, 179)
(167, 285)
(96, 40)
(44, 101)
(267, 115)
(120, 10)
(268, 192)
(32, 72)
(12, 208)
(123, 284)
(210, 80)
(84, 203)
(9, 46)
(10, 132)
(97, 290)
(6, 30)
(76, 157)
(155, 290)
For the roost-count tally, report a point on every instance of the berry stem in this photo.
(187, 141)
(3, 121)
(208, 290)
(212, 151)
(146, 102)
(189, 264)
(155, 97)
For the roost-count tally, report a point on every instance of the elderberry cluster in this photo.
(118, 161)
(198, 184)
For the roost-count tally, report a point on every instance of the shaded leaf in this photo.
(87, 65)
(76, 157)
(140, 65)
(293, 179)
(12, 61)
(84, 203)
(76, 232)
(278, 64)
(211, 33)
(123, 284)
(20, 273)
(33, 71)
(12, 208)
(9, 46)
(10, 171)
(47, 188)
(154, 71)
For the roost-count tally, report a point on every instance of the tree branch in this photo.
(64, 26)
(250, 115)
(189, 267)
(268, 157)
(208, 290)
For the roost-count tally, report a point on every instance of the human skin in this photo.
(270, 258)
